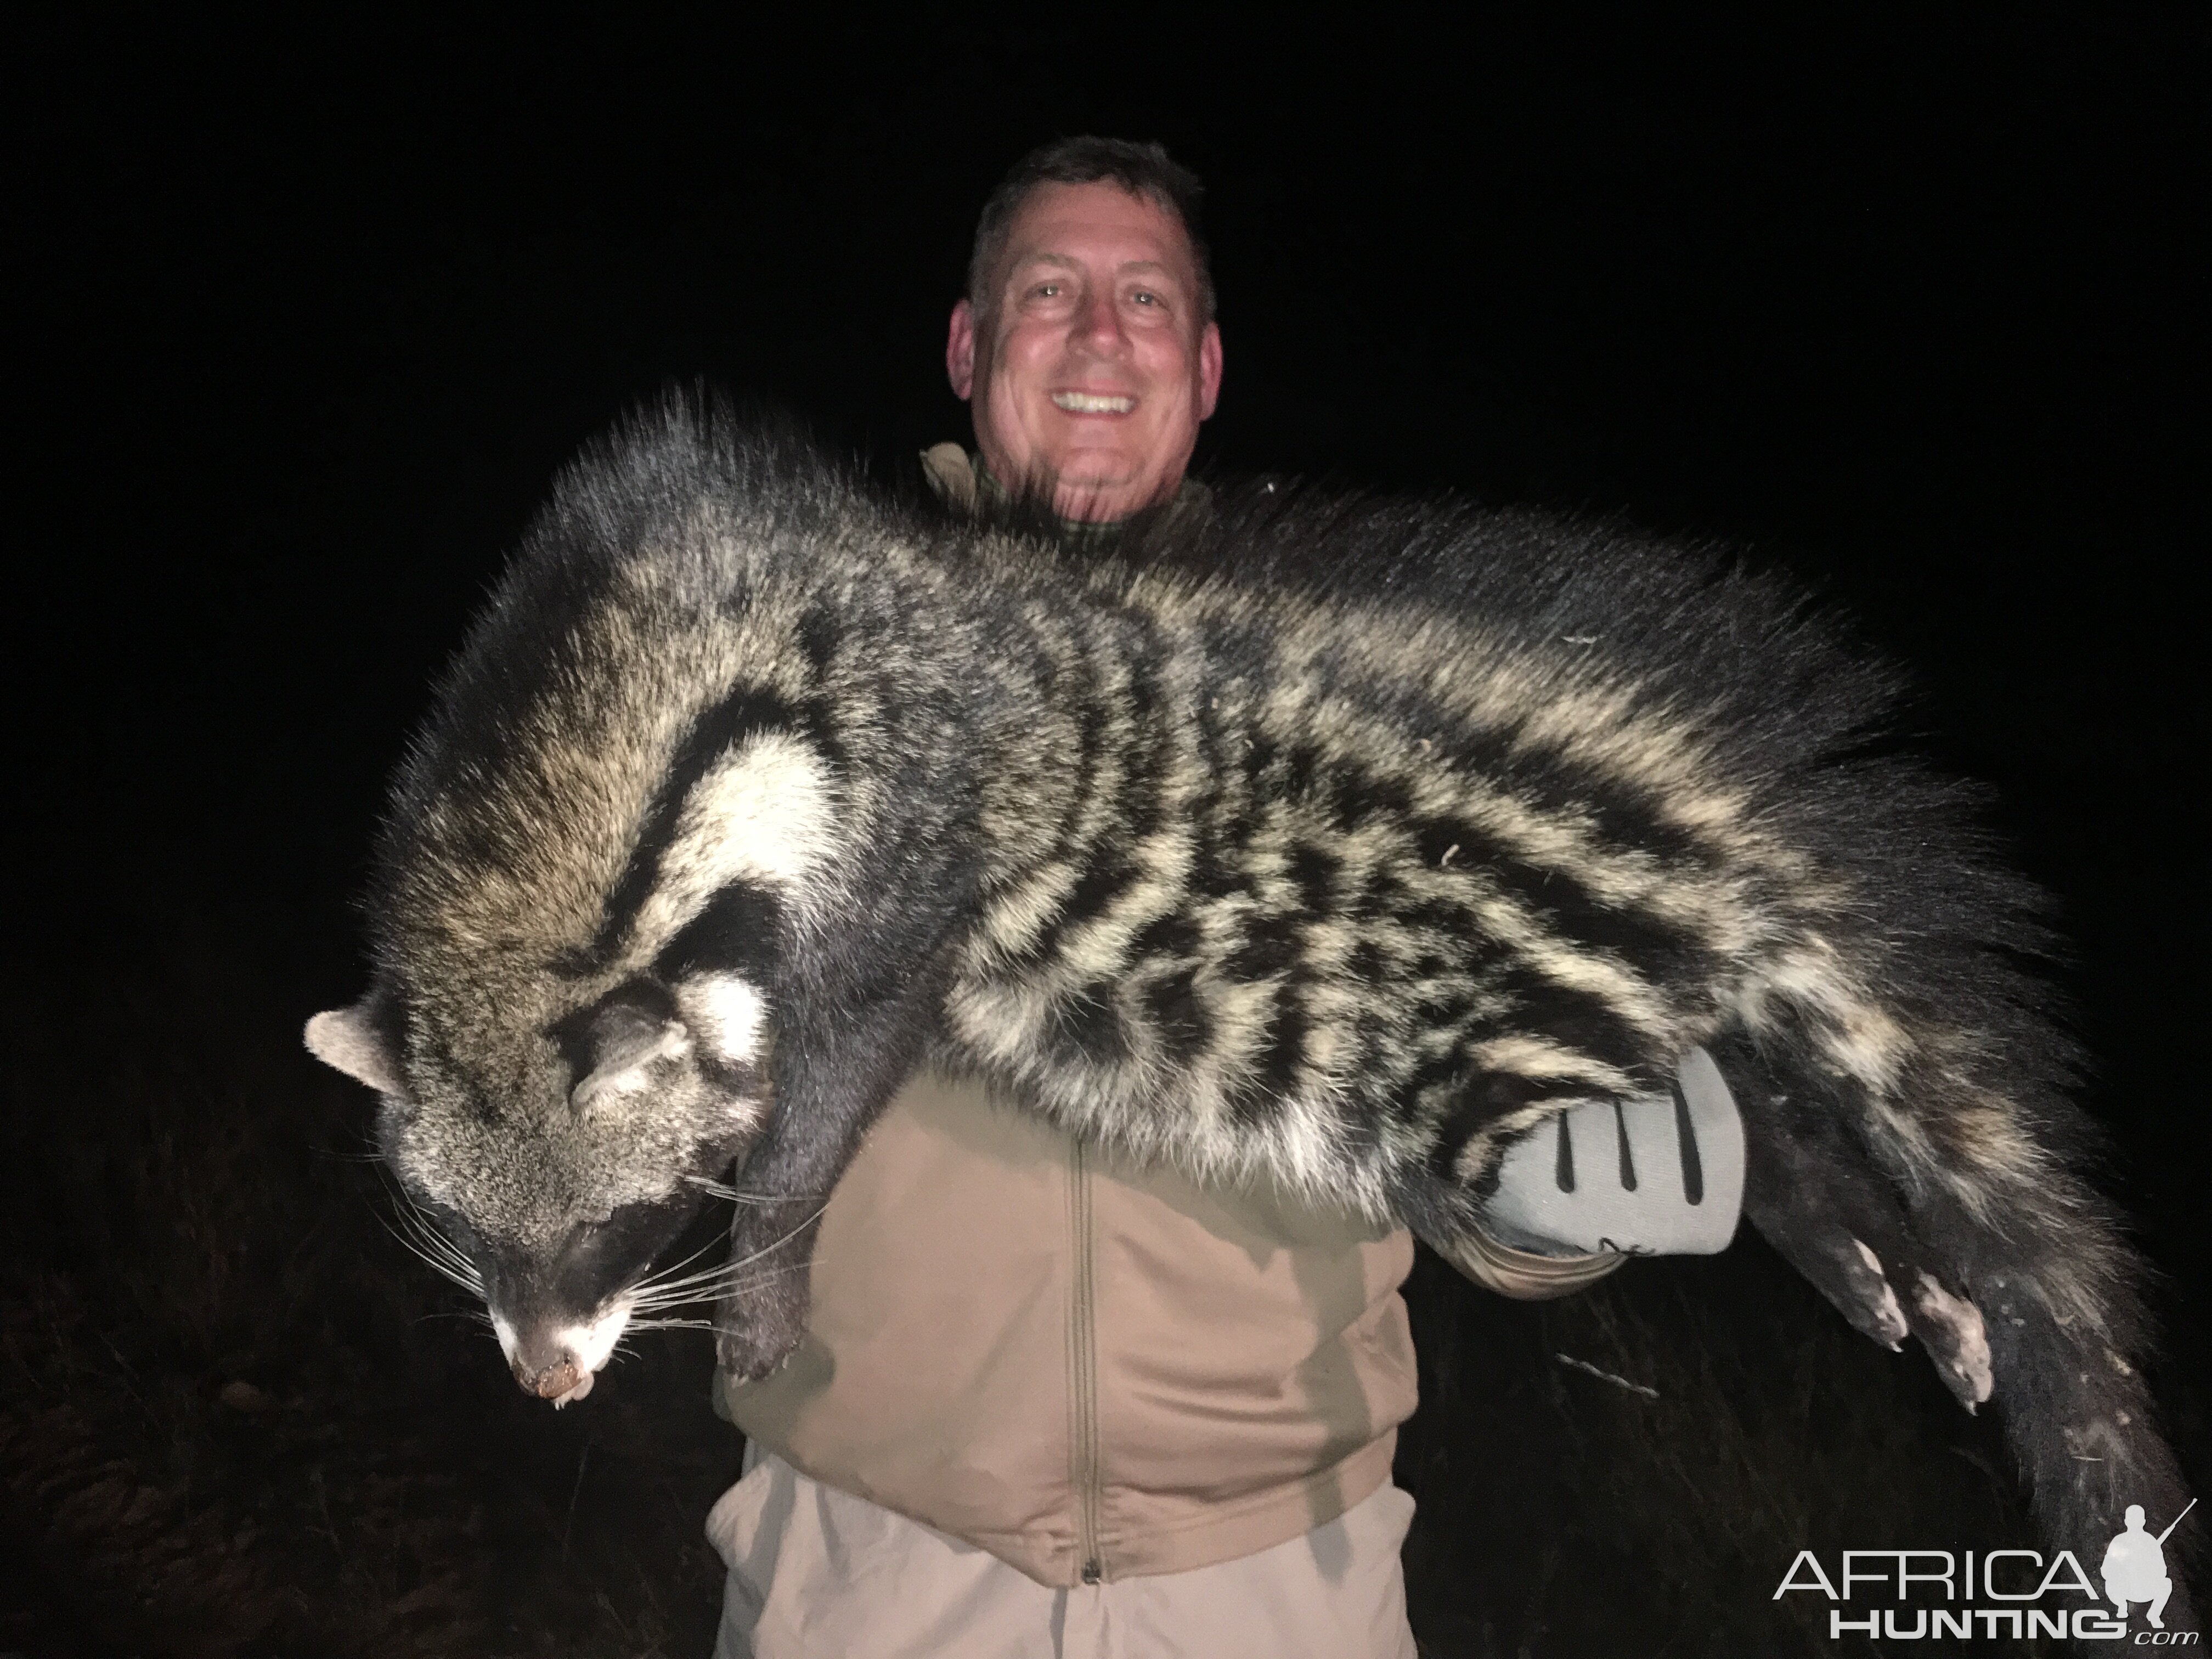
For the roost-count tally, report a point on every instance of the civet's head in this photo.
(551, 1152)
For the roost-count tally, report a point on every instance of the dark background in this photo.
(1910, 302)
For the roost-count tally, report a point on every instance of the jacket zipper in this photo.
(1083, 1369)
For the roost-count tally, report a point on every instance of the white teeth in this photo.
(1084, 403)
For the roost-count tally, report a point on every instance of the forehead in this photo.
(1099, 226)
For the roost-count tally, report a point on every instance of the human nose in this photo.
(1098, 326)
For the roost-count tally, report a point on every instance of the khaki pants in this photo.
(816, 1573)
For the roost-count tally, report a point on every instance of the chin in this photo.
(1098, 504)
(1101, 471)
(1097, 469)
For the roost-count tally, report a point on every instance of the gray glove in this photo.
(1661, 1174)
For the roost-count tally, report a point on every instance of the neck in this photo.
(992, 494)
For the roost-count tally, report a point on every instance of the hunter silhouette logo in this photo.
(2134, 1565)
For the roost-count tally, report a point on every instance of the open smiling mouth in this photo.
(1089, 403)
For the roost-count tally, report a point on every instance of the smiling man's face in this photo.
(1094, 367)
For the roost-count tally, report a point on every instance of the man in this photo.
(1049, 1404)
(1088, 348)
(2135, 1568)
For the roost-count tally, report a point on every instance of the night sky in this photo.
(306, 321)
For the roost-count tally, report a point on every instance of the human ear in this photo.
(1209, 369)
(960, 350)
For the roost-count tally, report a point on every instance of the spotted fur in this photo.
(1331, 839)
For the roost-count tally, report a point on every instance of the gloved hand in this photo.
(1661, 1174)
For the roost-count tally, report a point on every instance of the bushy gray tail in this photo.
(2026, 1296)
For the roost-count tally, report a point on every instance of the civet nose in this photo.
(548, 1382)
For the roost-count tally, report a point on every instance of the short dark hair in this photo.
(1145, 170)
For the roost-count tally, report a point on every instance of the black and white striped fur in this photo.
(1333, 839)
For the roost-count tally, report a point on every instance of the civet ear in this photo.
(353, 1040)
(621, 1038)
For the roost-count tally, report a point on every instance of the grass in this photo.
(239, 1418)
